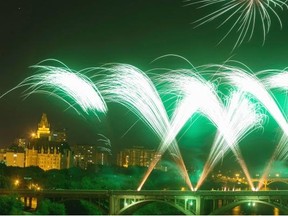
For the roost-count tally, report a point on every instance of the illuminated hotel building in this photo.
(136, 156)
(48, 150)
(16, 159)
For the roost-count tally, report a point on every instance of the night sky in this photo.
(92, 33)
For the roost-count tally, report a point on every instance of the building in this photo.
(48, 154)
(46, 151)
(136, 156)
(85, 155)
(43, 127)
(16, 159)
(102, 157)
(13, 156)
(58, 135)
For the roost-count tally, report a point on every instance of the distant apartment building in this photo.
(136, 156)
(48, 150)
(85, 155)
(13, 156)
(58, 136)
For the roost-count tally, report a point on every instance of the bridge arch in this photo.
(277, 180)
(270, 181)
(230, 206)
(130, 209)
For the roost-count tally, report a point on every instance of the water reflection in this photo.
(258, 209)
(236, 210)
(30, 202)
(276, 211)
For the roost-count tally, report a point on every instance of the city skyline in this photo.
(136, 33)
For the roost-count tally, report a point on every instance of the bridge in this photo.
(265, 182)
(188, 202)
(269, 181)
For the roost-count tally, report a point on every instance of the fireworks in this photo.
(241, 117)
(259, 89)
(104, 140)
(278, 80)
(245, 16)
(233, 121)
(249, 83)
(129, 86)
(186, 84)
(234, 116)
(73, 88)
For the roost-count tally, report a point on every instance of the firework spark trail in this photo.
(242, 116)
(280, 153)
(249, 83)
(105, 150)
(133, 89)
(278, 80)
(244, 15)
(105, 140)
(66, 85)
(197, 95)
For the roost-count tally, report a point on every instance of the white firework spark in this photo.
(249, 83)
(245, 15)
(73, 88)
(129, 86)
(195, 95)
(276, 79)
(105, 140)
(241, 118)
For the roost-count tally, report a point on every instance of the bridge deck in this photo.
(204, 193)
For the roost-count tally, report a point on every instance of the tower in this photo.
(46, 152)
(43, 127)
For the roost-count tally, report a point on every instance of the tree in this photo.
(10, 205)
(46, 207)
(81, 207)
(90, 209)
